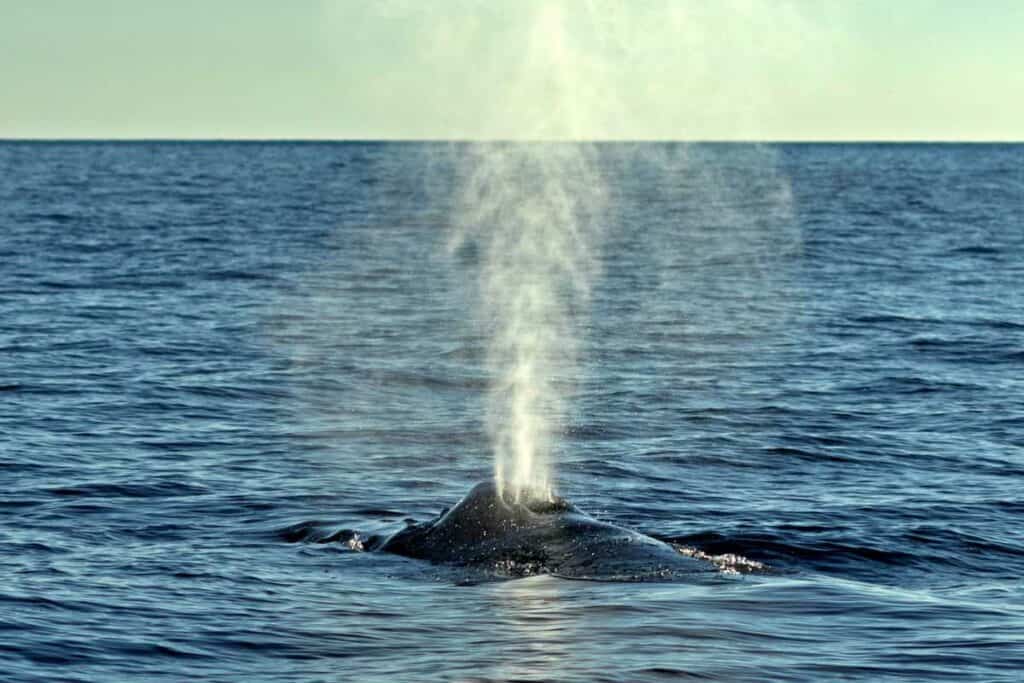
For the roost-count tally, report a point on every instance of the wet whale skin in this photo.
(554, 537)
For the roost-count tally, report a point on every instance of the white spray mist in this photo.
(532, 210)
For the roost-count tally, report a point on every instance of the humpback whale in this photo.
(488, 531)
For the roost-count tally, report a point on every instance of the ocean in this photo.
(225, 367)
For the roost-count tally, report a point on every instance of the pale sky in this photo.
(485, 69)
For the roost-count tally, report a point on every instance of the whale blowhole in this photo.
(537, 502)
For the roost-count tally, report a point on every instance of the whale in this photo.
(487, 530)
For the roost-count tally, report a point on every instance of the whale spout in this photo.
(537, 536)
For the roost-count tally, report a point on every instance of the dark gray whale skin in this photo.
(537, 537)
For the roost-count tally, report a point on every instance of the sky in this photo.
(513, 69)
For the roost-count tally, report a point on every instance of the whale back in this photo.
(535, 536)
(482, 517)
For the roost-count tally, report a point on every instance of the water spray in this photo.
(532, 211)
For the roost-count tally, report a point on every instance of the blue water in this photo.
(214, 355)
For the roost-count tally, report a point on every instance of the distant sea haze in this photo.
(223, 367)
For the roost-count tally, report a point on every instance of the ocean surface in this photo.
(224, 366)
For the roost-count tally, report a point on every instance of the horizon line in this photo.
(746, 141)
